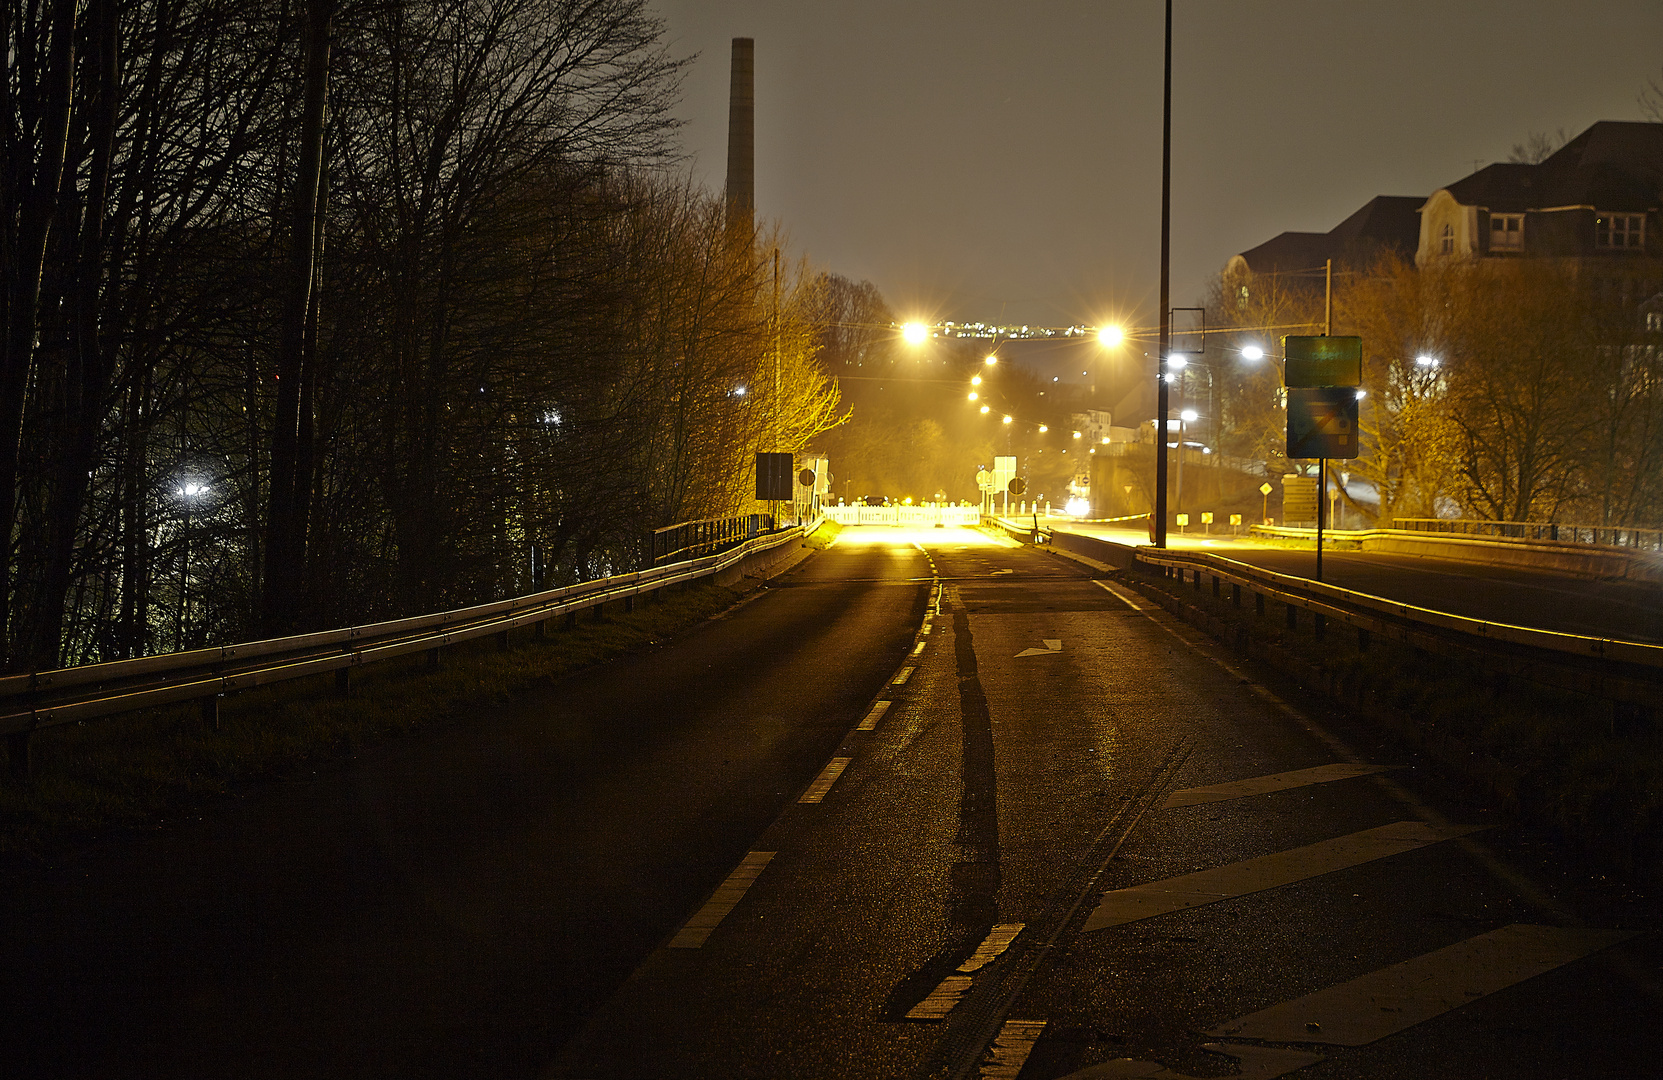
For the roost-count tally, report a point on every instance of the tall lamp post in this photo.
(1163, 401)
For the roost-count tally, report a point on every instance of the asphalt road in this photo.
(1521, 597)
(729, 858)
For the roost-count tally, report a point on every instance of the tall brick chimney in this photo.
(742, 136)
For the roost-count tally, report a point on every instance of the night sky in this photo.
(984, 159)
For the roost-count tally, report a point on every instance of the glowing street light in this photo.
(1110, 336)
(915, 333)
(986, 409)
(1043, 429)
(1426, 361)
(1177, 363)
(974, 395)
(1189, 416)
(739, 391)
(991, 359)
(1253, 352)
(1007, 419)
(975, 380)
(1076, 434)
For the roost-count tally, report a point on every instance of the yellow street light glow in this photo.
(1043, 429)
(1105, 440)
(1076, 434)
(992, 359)
(916, 333)
(1111, 336)
(984, 408)
(974, 395)
(1007, 419)
(975, 380)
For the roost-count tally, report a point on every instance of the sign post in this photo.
(1322, 374)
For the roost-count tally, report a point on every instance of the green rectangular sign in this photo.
(1322, 361)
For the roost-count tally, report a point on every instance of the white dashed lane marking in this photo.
(901, 677)
(996, 942)
(1011, 1048)
(722, 901)
(823, 783)
(1260, 785)
(871, 719)
(1267, 872)
(1385, 1002)
(918, 648)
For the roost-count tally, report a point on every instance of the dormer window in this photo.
(1620, 231)
(1506, 232)
(1447, 243)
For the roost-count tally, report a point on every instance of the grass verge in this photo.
(135, 771)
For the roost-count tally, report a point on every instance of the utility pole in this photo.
(1162, 401)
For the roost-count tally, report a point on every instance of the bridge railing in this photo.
(1610, 668)
(904, 515)
(692, 539)
(1611, 535)
(42, 699)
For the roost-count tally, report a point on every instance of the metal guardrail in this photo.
(1624, 670)
(45, 699)
(1625, 536)
(860, 514)
(690, 539)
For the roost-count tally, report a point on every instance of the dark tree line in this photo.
(317, 312)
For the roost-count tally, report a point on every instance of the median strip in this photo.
(1261, 785)
(727, 894)
(1268, 872)
(1387, 1001)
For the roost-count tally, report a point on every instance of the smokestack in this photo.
(742, 136)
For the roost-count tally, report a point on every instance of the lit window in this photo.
(1448, 244)
(1506, 232)
(1620, 231)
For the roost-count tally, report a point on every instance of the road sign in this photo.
(806, 478)
(1207, 518)
(1322, 422)
(1264, 488)
(1322, 361)
(1299, 498)
(984, 480)
(1017, 485)
(773, 476)
(1235, 519)
(1183, 520)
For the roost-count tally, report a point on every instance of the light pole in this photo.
(1162, 402)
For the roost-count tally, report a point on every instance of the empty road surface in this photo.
(932, 805)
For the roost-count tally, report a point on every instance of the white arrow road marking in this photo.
(1259, 785)
(1268, 871)
(722, 901)
(1385, 1002)
(1051, 645)
(1257, 1063)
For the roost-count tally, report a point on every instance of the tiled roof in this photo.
(1614, 165)
(1385, 221)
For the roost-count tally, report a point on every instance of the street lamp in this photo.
(1111, 336)
(992, 359)
(1252, 352)
(915, 333)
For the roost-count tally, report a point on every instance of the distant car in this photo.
(876, 500)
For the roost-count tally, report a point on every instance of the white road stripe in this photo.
(918, 648)
(1267, 871)
(901, 678)
(941, 999)
(722, 901)
(872, 718)
(1131, 601)
(1011, 1048)
(1257, 1063)
(927, 627)
(1260, 785)
(997, 941)
(822, 783)
(1385, 1002)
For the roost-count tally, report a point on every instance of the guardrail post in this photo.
(1215, 585)
(343, 681)
(1259, 604)
(1362, 639)
(210, 711)
(1235, 595)
(1293, 617)
(1197, 581)
(629, 603)
(540, 629)
(1319, 625)
(502, 640)
(433, 657)
(17, 755)
(600, 612)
